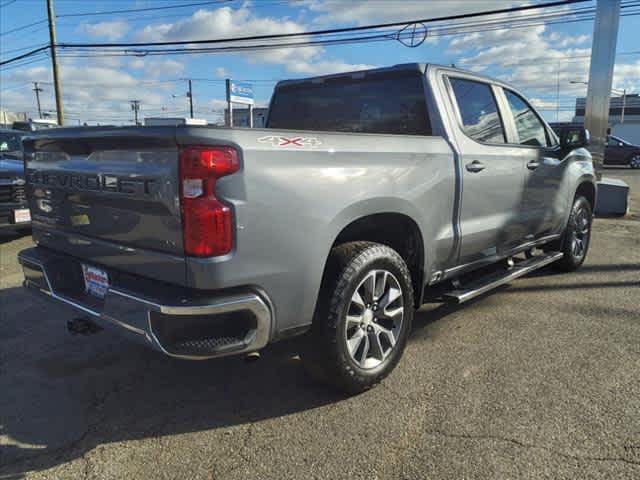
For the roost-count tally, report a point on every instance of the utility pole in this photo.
(603, 56)
(624, 104)
(135, 106)
(54, 61)
(190, 95)
(37, 89)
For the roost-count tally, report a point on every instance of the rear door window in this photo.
(391, 103)
(478, 111)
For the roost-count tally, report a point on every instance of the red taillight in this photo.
(207, 223)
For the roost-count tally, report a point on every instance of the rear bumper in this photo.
(176, 321)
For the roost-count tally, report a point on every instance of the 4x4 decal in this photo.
(300, 142)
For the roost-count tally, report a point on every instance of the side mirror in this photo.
(575, 137)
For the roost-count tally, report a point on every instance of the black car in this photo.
(14, 211)
(617, 150)
(621, 152)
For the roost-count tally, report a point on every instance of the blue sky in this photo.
(538, 59)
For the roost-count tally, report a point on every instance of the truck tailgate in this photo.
(109, 196)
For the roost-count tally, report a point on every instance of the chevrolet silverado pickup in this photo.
(366, 195)
(14, 211)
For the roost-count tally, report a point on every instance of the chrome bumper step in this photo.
(493, 280)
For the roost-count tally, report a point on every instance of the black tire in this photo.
(634, 161)
(328, 354)
(576, 237)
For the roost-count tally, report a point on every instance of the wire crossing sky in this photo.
(147, 49)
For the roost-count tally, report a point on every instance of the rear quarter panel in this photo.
(291, 200)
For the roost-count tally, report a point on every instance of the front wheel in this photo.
(363, 317)
(635, 161)
(577, 236)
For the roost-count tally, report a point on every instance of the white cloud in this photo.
(531, 58)
(111, 30)
(162, 68)
(221, 72)
(93, 92)
(363, 12)
(327, 66)
(227, 22)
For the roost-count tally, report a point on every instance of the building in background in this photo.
(629, 128)
(241, 117)
(173, 121)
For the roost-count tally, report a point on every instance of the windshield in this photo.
(9, 142)
(385, 103)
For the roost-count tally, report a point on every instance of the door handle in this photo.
(533, 164)
(475, 166)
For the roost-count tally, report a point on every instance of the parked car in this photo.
(617, 151)
(367, 194)
(621, 152)
(14, 210)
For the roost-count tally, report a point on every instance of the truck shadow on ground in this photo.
(66, 395)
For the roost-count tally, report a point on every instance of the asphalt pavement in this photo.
(540, 379)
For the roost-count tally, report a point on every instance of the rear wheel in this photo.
(363, 317)
(577, 236)
(635, 161)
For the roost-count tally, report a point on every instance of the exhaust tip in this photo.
(252, 357)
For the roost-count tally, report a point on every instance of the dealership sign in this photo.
(240, 92)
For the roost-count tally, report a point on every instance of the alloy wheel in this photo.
(374, 319)
(635, 162)
(581, 233)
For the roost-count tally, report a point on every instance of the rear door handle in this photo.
(533, 164)
(475, 166)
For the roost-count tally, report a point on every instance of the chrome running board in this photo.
(496, 279)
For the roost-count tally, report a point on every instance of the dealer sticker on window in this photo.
(96, 281)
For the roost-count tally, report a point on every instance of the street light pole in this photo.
(190, 95)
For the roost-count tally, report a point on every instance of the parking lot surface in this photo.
(537, 380)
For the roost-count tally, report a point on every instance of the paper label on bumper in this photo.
(96, 281)
(21, 215)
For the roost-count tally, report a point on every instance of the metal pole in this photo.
(37, 89)
(135, 106)
(190, 95)
(250, 116)
(557, 92)
(624, 104)
(603, 53)
(54, 61)
(229, 103)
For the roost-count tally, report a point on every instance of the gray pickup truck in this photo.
(368, 194)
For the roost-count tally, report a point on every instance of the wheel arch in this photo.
(587, 189)
(396, 229)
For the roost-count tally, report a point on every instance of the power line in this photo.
(17, 29)
(25, 55)
(98, 52)
(132, 10)
(328, 31)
